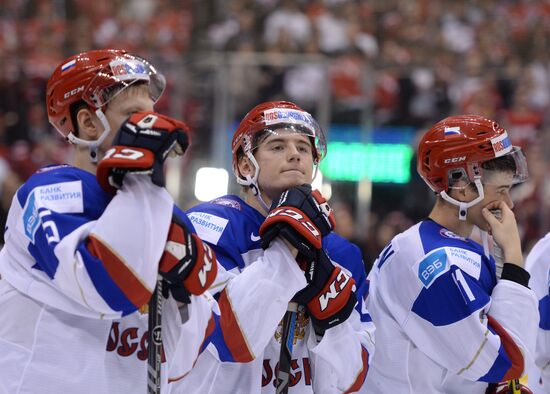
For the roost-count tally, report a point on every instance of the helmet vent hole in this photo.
(485, 147)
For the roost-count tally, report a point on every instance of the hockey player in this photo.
(276, 149)
(446, 323)
(538, 265)
(80, 263)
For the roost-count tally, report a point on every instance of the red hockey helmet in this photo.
(95, 77)
(275, 117)
(456, 147)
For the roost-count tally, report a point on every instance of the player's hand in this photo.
(302, 217)
(188, 265)
(505, 231)
(141, 145)
(329, 296)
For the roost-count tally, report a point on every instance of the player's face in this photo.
(131, 100)
(285, 161)
(496, 188)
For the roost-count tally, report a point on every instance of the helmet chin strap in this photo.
(252, 181)
(463, 206)
(93, 145)
(315, 171)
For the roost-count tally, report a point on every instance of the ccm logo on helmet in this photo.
(73, 92)
(455, 159)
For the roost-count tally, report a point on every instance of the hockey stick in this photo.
(287, 341)
(154, 352)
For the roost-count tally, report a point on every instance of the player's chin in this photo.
(290, 179)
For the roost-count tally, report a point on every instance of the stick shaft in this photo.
(154, 352)
(287, 341)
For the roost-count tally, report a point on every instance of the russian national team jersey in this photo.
(445, 324)
(253, 289)
(538, 265)
(77, 269)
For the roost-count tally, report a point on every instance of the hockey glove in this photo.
(141, 145)
(188, 265)
(329, 295)
(302, 217)
(511, 387)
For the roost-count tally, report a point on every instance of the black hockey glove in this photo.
(142, 144)
(188, 265)
(329, 296)
(302, 217)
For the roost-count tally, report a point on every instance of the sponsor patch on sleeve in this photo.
(209, 227)
(30, 217)
(466, 260)
(431, 267)
(65, 197)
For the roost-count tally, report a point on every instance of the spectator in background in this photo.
(9, 183)
(287, 19)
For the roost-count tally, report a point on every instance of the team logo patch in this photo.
(501, 144)
(299, 329)
(449, 234)
(227, 202)
(51, 168)
(431, 267)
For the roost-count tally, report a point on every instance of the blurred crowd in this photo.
(382, 62)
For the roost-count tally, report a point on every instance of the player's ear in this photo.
(245, 166)
(88, 124)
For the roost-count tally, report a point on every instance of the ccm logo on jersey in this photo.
(334, 290)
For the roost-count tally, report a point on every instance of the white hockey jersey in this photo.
(76, 269)
(253, 290)
(444, 322)
(538, 265)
